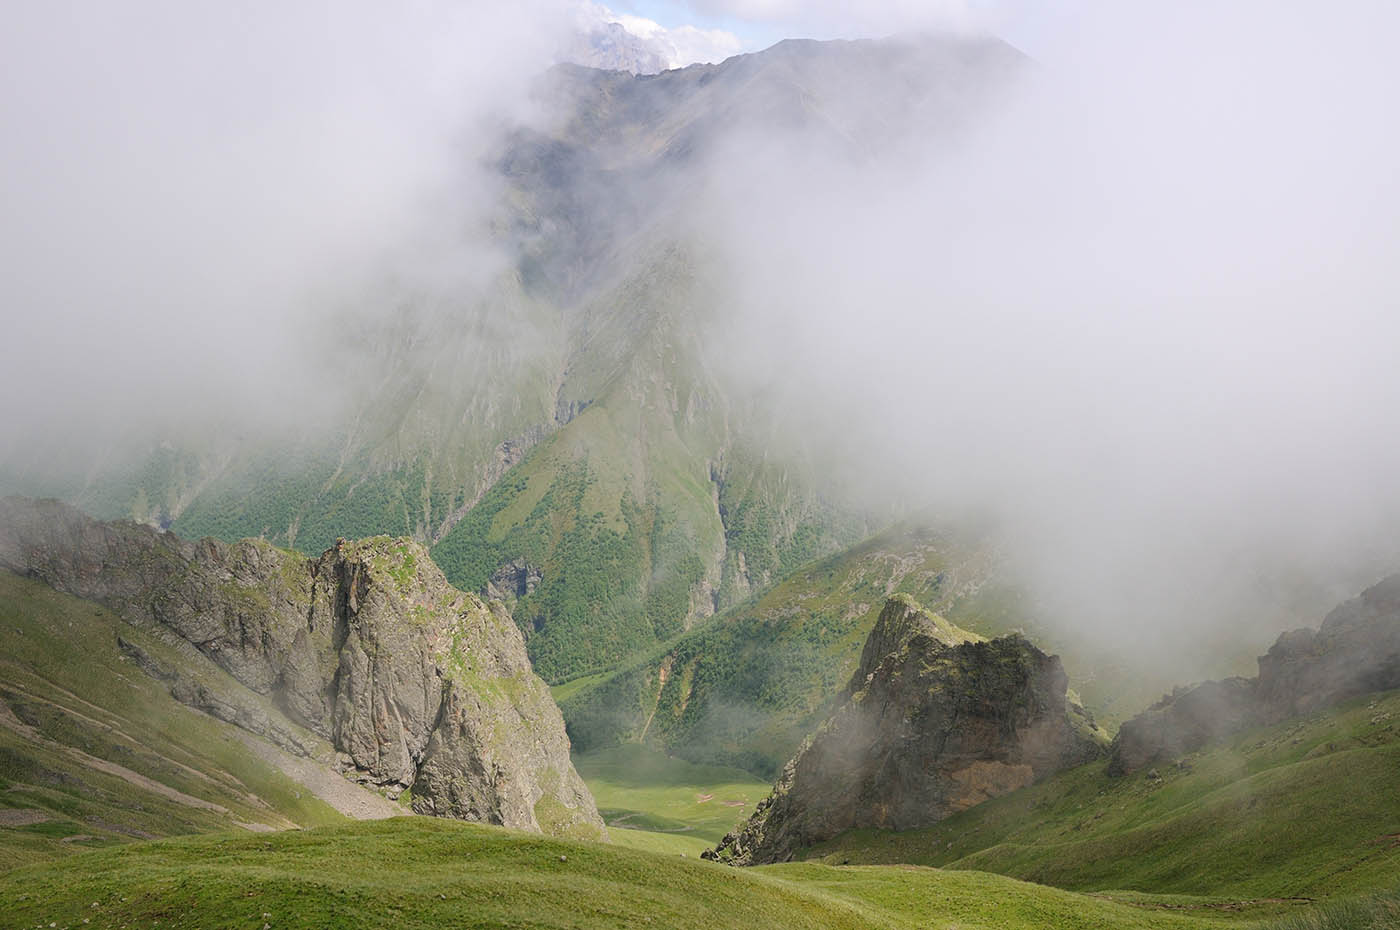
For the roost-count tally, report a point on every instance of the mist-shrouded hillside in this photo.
(562, 431)
(643, 345)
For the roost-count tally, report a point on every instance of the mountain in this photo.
(746, 688)
(416, 688)
(561, 433)
(1355, 651)
(935, 720)
(1298, 811)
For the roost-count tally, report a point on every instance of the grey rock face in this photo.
(1182, 722)
(516, 578)
(1355, 651)
(940, 722)
(416, 684)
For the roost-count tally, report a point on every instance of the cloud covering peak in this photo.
(621, 42)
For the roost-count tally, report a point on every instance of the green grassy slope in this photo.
(1305, 809)
(639, 512)
(95, 752)
(746, 688)
(640, 789)
(431, 874)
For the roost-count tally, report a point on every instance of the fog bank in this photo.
(1144, 320)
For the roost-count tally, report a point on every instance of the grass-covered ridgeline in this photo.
(421, 873)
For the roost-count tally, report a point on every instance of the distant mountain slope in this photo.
(748, 687)
(564, 418)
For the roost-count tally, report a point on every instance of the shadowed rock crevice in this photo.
(417, 685)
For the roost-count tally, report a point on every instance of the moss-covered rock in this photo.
(937, 720)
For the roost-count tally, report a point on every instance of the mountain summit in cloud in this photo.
(611, 41)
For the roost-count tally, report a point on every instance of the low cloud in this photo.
(1142, 319)
(634, 43)
(829, 18)
(185, 186)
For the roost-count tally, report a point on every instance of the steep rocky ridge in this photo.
(1355, 651)
(416, 685)
(937, 720)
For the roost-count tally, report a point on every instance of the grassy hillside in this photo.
(1306, 809)
(431, 874)
(746, 688)
(95, 752)
(643, 514)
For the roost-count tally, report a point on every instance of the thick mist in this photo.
(191, 193)
(1143, 320)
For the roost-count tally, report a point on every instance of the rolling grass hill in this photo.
(422, 873)
(1306, 809)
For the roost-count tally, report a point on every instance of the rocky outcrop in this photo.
(1182, 722)
(1355, 651)
(515, 579)
(936, 721)
(417, 685)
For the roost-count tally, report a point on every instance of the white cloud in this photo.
(832, 18)
(650, 45)
(180, 180)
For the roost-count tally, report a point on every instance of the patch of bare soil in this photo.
(324, 782)
(22, 817)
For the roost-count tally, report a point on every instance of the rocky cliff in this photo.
(418, 686)
(936, 721)
(1355, 651)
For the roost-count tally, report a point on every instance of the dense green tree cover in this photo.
(745, 688)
